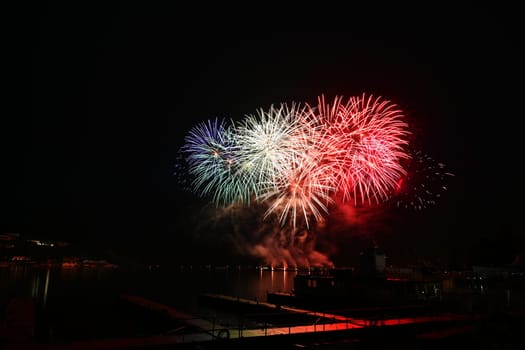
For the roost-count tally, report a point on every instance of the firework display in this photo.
(296, 158)
(425, 181)
(363, 142)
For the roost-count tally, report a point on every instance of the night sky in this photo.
(114, 90)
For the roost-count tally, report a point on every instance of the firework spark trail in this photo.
(269, 145)
(298, 187)
(302, 193)
(364, 140)
(424, 183)
(210, 150)
(296, 157)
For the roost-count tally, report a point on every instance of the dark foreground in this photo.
(248, 324)
(499, 332)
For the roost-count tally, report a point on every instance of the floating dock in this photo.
(262, 322)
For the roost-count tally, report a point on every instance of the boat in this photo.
(370, 284)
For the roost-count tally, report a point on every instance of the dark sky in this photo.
(115, 88)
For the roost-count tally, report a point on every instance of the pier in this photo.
(260, 323)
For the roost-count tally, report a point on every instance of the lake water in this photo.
(79, 304)
(83, 303)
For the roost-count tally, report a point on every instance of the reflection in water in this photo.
(46, 287)
(35, 287)
(87, 298)
(39, 291)
(40, 282)
(66, 292)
